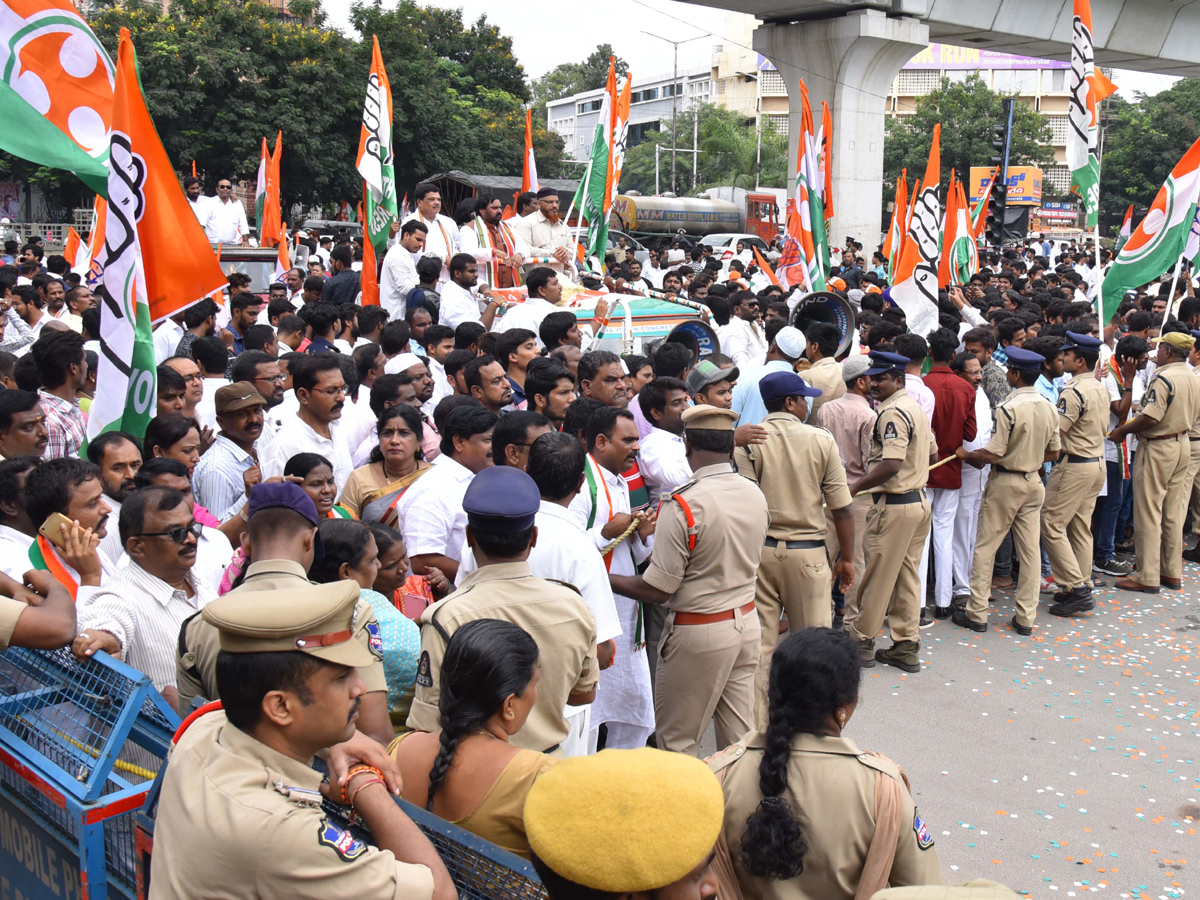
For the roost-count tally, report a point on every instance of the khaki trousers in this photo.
(891, 583)
(706, 673)
(799, 581)
(860, 506)
(1159, 496)
(1071, 492)
(1010, 500)
(1194, 481)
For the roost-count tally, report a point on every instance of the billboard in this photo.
(1024, 184)
(948, 56)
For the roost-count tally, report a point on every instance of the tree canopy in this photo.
(570, 78)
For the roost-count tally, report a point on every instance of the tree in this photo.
(570, 78)
(967, 111)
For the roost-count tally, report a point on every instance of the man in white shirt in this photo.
(441, 239)
(544, 294)
(459, 302)
(316, 428)
(544, 233)
(196, 199)
(17, 531)
(167, 336)
(743, 340)
(966, 520)
(430, 513)
(652, 273)
(663, 460)
(494, 245)
(226, 217)
(399, 274)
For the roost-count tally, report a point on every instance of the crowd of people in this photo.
(445, 544)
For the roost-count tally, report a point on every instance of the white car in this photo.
(725, 246)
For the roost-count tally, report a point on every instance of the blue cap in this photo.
(882, 361)
(285, 495)
(785, 384)
(501, 500)
(1196, 334)
(1082, 341)
(1025, 360)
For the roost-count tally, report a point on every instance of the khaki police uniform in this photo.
(1160, 473)
(797, 468)
(1075, 483)
(897, 525)
(199, 640)
(831, 789)
(1025, 430)
(553, 613)
(826, 375)
(709, 649)
(10, 611)
(1193, 476)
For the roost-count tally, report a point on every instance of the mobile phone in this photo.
(52, 529)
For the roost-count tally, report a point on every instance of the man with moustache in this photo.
(546, 234)
(317, 428)
(22, 425)
(119, 456)
(229, 468)
(193, 381)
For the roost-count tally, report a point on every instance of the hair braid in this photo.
(441, 763)
(772, 844)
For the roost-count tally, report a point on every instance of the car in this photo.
(259, 263)
(725, 246)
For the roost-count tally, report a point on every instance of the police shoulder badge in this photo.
(924, 838)
(889, 432)
(424, 670)
(1149, 398)
(342, 842)
(1062, 403)
(374, 640)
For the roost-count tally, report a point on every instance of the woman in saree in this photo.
(373, 491)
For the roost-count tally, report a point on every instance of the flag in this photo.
(529, 176)
(810, 212)
(763, 266)
(1088, 87)
(96, 241)
(272, 214)
(375, 161)
(260, 193)
(949, 229)
(591, 199)
(56, 96)
(979, 213)
(1126, 229)
(1163, 234)
(790, 269)
(405, 210)
(891, 246)
(369, 280)
(960, 257)
(76, 252)
(193, 168)
(915, 287)
(155, 259)
(616, 157)
(284, 260)
(827, 163)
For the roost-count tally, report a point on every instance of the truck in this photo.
(719, 210)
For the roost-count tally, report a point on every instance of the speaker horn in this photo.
(697, 336)
(826, 306)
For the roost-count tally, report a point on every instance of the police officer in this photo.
(1193, 479)
(1169, 409)
(501, 505)
(902, 447)
(1074, 484)
(707, 546)
(240, 811)
(797, 468)
(1025, 436)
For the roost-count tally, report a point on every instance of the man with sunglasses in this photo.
(138, 612)
(226, 221)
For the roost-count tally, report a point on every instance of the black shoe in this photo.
(1116, 569)
(942, 612)
(1059, 597)
(866, 654)
(902, 655)
(925, 622)
(1024, 630)
(1075, 608)
(959, 618)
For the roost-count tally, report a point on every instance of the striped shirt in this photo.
(144, 614)
(218, 481)
(65, 427)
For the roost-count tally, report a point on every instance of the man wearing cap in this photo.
(902, 447)
(786, 349)
(798, 470)
(661, 845)
(546, 234)
(1074, 484)
(240, 812)
(282, 530)
(1169, 410)
(501, 504)
(707, 546)
(825, 373)
(713, 384)
(1025, 435)
(229, 468)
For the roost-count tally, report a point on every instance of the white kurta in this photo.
(441, 240)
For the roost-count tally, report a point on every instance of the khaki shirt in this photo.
(730, 519)
(831, 791)
(797, 468)
(1171, 399)
(238, 819)
(1083, 416)
(543, 237)
(1025, 429)
(902, 431)
(10, 611)
(199, 642)
(554, 615)
(825, 375)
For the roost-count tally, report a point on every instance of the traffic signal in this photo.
(998, 189)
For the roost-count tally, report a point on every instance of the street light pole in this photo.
(674, 93)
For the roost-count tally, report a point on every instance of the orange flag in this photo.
(949, 224)
(369, 279)
(827, 162)
(194, 168)
(529, 175)
(284, 260)
(272, 214)
(764, 267)
(891, 246)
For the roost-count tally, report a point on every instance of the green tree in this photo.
(570, 78)
(967, 111)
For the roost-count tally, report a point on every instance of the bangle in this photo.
(357, 770)
(361, 786)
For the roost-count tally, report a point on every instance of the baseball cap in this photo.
(239, 395)
(707, 372)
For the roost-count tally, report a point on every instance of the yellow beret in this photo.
(1176, 339)
(624, 821)
(709, 418)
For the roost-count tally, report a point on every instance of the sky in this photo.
(546, 33)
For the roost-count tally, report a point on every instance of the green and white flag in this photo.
(1088, 87)
(375, 162)
(591, 198)
(260, 187)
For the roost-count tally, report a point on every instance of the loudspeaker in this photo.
(826, 306)
(697, 336)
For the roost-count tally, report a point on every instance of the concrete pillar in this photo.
(849, 62)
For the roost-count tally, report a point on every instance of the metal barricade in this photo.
(80, 746)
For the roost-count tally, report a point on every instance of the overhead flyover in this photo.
(848, 53)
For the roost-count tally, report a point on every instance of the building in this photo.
(651, 100)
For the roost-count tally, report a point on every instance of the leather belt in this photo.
(1072, 458)
(1009, 471)
(1160, 437)
(688, 618)
(1194, 439)
(794, 545)
(899, 499)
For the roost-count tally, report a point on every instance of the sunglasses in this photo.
(178, 535)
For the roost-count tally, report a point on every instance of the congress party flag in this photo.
(155, 259)
(283, 261)
(529, 175)
(268, 214)
(1126, 229)
(1088, 88)
(79, 257)
(979, 213)
(915, 286)
(376, 163)
(810, 211)
(963, 252)
(827, 164)
(260, 192)
(593, 197)
(891, 246)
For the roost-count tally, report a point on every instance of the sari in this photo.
(379, 505)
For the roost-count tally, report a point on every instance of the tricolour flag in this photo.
(960, 251)
(56, 94)
(915, 287)
(375, 162)
(1160, 238)
(529, 176)
(979, 213)
(949, 229)
(591, 198)
(810, 211)
(369, 280)
(76, 251)
(272, 214)
(1088, 88)
(891, 245)
(283, 261)
(154, 262)
(96, 241)
(260, 193)
(827, 163)
(1126, 229)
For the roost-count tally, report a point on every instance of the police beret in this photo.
(501, 500)
(660, 816)
(1025, 360)
(882, 361)
(1082, 341)
(709, 418)
(785, 384)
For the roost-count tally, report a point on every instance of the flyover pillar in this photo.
(849, 62)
